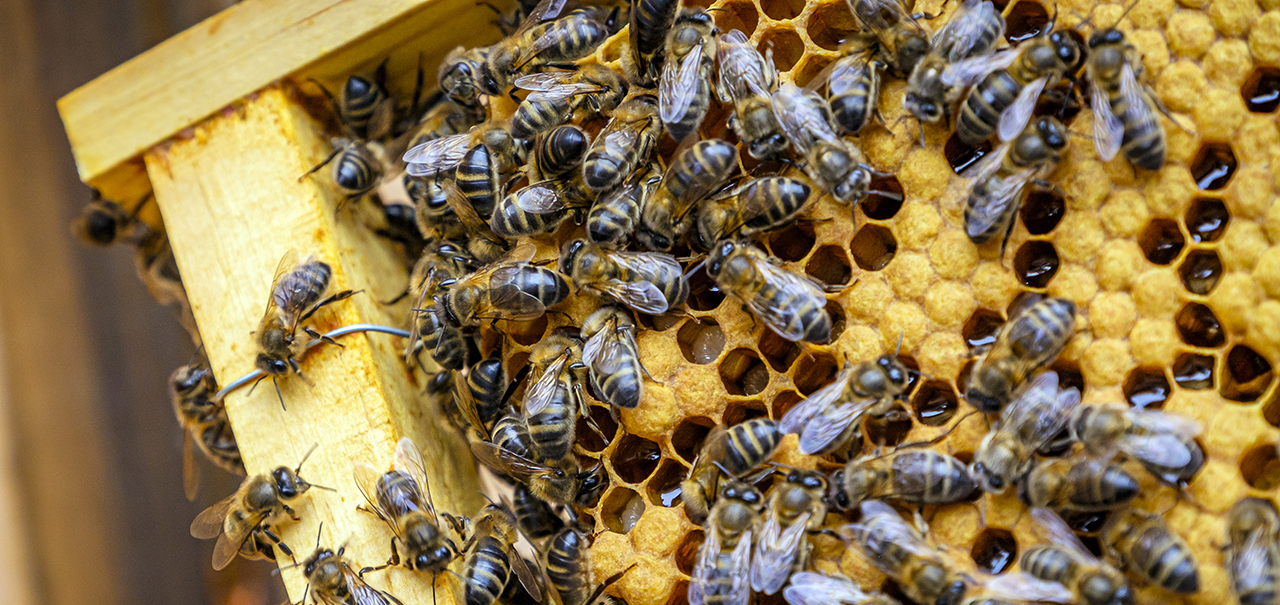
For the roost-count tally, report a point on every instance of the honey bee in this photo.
(297, 292)
(999, 182)
(561, 150)
(536, 519)
(511, 433)
(569, 569)
(613, 361)
(833, 163)
(462, 77)
(402, 498)
(911, 476)
(558, 95)
(972, 31)
(104, 222)
(1016, 588)
(684, 89)
(794, 509)
(787, 303)
(1164, 443)
(747, 80)
(693, 174)
(244, 521)
(357, 167)
(511, 289)
(1124, 115)
(540, 207)
(331, 581)
(648, 282)
(487, 391)
(204, 423)
(1078, 484)
(445, 153)
(650, 22)
(853, 88)
(1006, 85)
(899, 551)
(1025, 426)
(363, 106)
(615, 214)
(737, 451)
(1253, 553)
(1029, 341)
(556, 42)
(492, 558)
(722, 569)
(813, 588)
(476, 177)
(1142, 544)
(897, 32)
(1063, 559)
(626, 142)
(554, 400)
(759, 205)
(828, 419)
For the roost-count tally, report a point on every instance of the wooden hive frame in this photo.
(209, 121)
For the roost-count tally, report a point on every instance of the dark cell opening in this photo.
(1207, 219)
(635, 458)
(994, 550)
(737, 412)
(1261, 91)
(1193, 371)
(962, 379)
(890, 430)
(621, 509)
(1199, 327)
(1042, 210)
(700, 340)
(687, 553)
(981, 328)
(664, 487)
(792, 243)
(873, 247)
(779, 352)
(913, 375)
(588, 438)
(1161, 241)
(1146, 387)
(1260, 467)
(787, 47)
(741, 16)
(962, 155)
(704, 293)
(659, 323)
(809, 70)
(836, 313)
(814, 372)
(782, 9)
(1247, 374)
(829, 25)
(1213, 165)
(687, 439)
(880, 207)
(829, 265)
(1035, 264)
(935, 403)
(1200, 271)
(784, 402)
(1026, 20)
(1062, 100)
(743, 373)
(527, 332)
(1069, 375)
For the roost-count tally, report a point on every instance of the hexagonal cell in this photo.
(635, 458)
(527, 332)
(784, 402)
(1247, 374)
(1213, 165)
(830, 24)
(1069, 375)
(515, 363)
(792, 243)
(913, 373)
(888, 431)
(962, 155)
(779, 352)
(873, 247)
(810, 68)
(736, 412)
(995, 549)
(1042, 210)
(981, 328)
(659, 323)
(782, 10)
(1207, 218)
(1260, 467)
(885, 200)
(1193, 371)
(1271, 410)
(1199, 327)
(743, 373)
(836, 313)
(786, 44)
(814, 372)
(664, 487)
(1200, 271)
(1026, 20)
(1161, 241)
(621, 509)
(962, 379)
(588, 438)
(1035, 263)
(741, 16)
(1261, 91)
(829, 265)
(1146, 387)
(935, 403)
(704, 292)
(1088, 524)
(700, 340)
(687, 552)
(687, 439)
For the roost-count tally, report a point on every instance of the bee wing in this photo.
(988, 164)
(520, 468)
(678, 85)
(466, 213)
(1053, 530)
(882, 15)
(544, 10)
(543, 81)
(830, 423)
(1015, 118)
(1251, 560)
(540, 199)
(704, 567)
(1160, 449)
(286, 264)
(969, 71)
(798, 417)
(408, 460)
(843, 74)
(190, 470)
(1108, 131)
(437, 155)
(798, 118)
(467, 404)
(892, 528)
(1022, 587)
(776, 550)
(366, 479)
(1164, 422)
(543, 391)
(532, 583)
(622, 140)
(209, 523)
(564, 91)
(813, 588)
(609, 353)
(785, 280)
(515, 304)
(999, 203)
(639, 295)
(1041, 408)
(740, 571)
(362, 593)
(963, 31)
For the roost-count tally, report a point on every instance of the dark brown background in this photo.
(91, 504)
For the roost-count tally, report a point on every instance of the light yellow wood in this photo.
(112, 120)
(233, 205)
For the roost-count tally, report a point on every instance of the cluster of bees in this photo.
(581, 144)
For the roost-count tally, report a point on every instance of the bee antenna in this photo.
(694, 268)
(722, 468)
(305, 456)
(318, 530)
(899, 349)
(276, 384)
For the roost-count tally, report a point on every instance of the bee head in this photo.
(893, 370)
(569, 255)
(288, 483)
(768, 146)
(1106, 37)
(97, 226)
(1066, 49)
(356, 87)
(273, 366)
(923, 109)
(1052, 132)
(719, 254)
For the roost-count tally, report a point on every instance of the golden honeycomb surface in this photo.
(1176, 275)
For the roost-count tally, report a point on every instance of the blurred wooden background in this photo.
(91, 504)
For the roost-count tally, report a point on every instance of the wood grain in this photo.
(233, 205)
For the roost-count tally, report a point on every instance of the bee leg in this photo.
(284, 548)
(281, 397)
(747, 310)
(333, 298)
(395, 300)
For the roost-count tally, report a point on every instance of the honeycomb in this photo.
(1175, 274)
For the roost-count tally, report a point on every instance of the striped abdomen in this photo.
(980, 114)
(796, 309)
(219, 445)
(302, 287)
(397, 493)
(488, 568)
(614, 215)
(750, 444)
(1143, 142)
(623, 386)
(488, 384)
(700, 100)
(511, 433)
(535, 517)
(699, 170)
(552, 429)
(510, 220)
(577, 35)
(566, 562)
(360, 99)
(477, 179)
(561, 150)
(781, 197)
(650, 22)
(1050, 563)
(353, 171)
(854, 105)
(981, 196)
(927, 477)
(535, 117)
(543, 284)
(1039, 332)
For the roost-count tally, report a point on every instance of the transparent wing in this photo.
(1159, 449)
(881, 16)
(611, 356)
(969, 71)
(678, 85)
(563, 92)
(1022, 587)
(639, 295)
(540, 199)
(520, 468)
(767, 309)
(366, 479)
(1015, 118)
(703, 568)
(532, 584)
(830, 423)
(890, 527)
(622, 140)
(740, 571)
(437, 155)
(466, 213)
(793, 116)
(1251, 561)
(1053, 530)
(798, 417)
(1164, 422)
(845, 72)
(362, 593)
(776, 550)
(999, 203)
(962, 33)
(543, 391)
(813, 588)
(544, 81)
(209, 523)
(507, 300)
(286, 264)
(1040, 411)
(988, 164)
(1107, 129)
(190, 470)
(408, 460)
